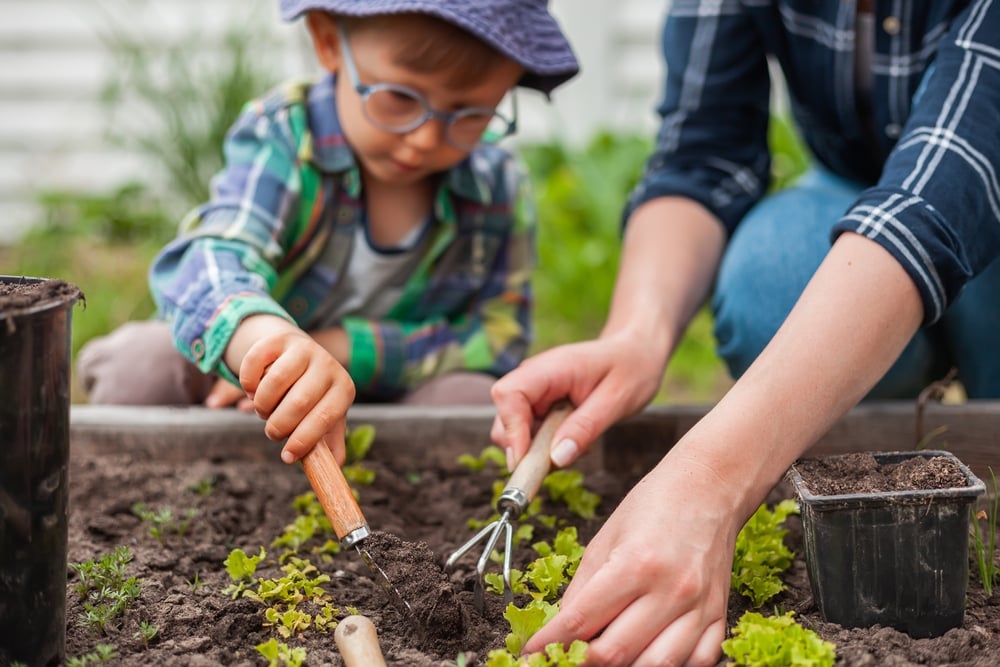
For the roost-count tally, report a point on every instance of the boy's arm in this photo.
(224, 267)
(491, 335)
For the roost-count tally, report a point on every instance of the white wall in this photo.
(53, 65)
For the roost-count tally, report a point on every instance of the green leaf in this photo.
(777, 641)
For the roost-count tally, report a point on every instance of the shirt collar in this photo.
(470, 179)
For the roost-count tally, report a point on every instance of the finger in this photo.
(223, 394)
(594, 415)
(302, 401)
(626, 639)
(321, 420)
(245, 404)
(256, 362)
(515, 418)
(595, 605)
(280, 376)
(706, 653)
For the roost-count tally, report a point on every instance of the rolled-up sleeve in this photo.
(712, 142)
(223, 267)
(936, 208)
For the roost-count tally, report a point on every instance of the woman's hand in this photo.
(606, 379)
(653, 585)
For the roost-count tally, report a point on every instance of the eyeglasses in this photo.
(401, 109)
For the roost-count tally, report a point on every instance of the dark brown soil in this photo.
(250, 504)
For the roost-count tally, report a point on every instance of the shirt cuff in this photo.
(221, 329)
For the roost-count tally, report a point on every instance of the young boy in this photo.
(362, 238)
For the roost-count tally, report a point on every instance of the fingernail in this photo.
(564, 452)
(510, 459)
(287, 456)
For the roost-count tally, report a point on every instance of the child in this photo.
(362, 238)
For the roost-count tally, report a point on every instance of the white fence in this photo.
(53, 66)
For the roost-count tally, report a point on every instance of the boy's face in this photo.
(402, 158)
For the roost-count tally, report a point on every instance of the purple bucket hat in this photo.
(522, 30)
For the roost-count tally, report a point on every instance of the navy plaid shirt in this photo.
(930, 150)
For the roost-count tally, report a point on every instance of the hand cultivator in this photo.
(521, 488)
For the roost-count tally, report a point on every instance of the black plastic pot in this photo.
(897, 559)
(34, 455)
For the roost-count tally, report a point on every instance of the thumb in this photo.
(580, 430)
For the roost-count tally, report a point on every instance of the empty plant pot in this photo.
(896, 558)
(34, 455)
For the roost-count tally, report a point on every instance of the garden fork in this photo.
(521, 488)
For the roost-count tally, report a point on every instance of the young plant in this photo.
(203, 487)
(985, 546)
(105, 590)
(278, 654)
(146, 632)
(776, 641)
(162, 521)
(102, 653)
(761, 555)
(241, 569)
(358, 442)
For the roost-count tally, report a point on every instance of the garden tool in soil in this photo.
(521, 488)
(358, 642)
(349, 523)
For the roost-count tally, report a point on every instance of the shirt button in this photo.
(891, 25)
(893, 130)
(298, 306)
(198, 349)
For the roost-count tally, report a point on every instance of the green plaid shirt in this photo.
(277, 235)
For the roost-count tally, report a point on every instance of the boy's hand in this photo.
(294, 383)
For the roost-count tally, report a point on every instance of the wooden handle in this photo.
(358, 642)
(531, 471)
(332, 490)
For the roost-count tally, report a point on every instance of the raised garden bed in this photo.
(219, 464)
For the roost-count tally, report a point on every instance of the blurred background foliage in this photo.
(176, 112)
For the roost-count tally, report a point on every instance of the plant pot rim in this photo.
(974, 487)
(41, 307)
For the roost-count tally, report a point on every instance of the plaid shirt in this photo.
(930, 153)
(277, 235)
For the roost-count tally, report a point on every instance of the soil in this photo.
(18, 297)
(248, 504)
(862, 473)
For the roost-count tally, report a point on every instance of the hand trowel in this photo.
(335, 496)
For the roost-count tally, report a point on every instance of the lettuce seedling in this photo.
(761, 555)
(278, 654)
(567, 486)
(776, 641)
(490, 455)
(241, 569)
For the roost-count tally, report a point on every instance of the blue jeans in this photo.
(775, 251)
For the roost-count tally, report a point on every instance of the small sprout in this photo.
(196, 583)
(490, 455)
(105, 590)
(241, 569)
(278, 654)
(203, 487)
(146, 632)
(162, 520)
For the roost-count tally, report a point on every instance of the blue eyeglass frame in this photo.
(447, 118)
